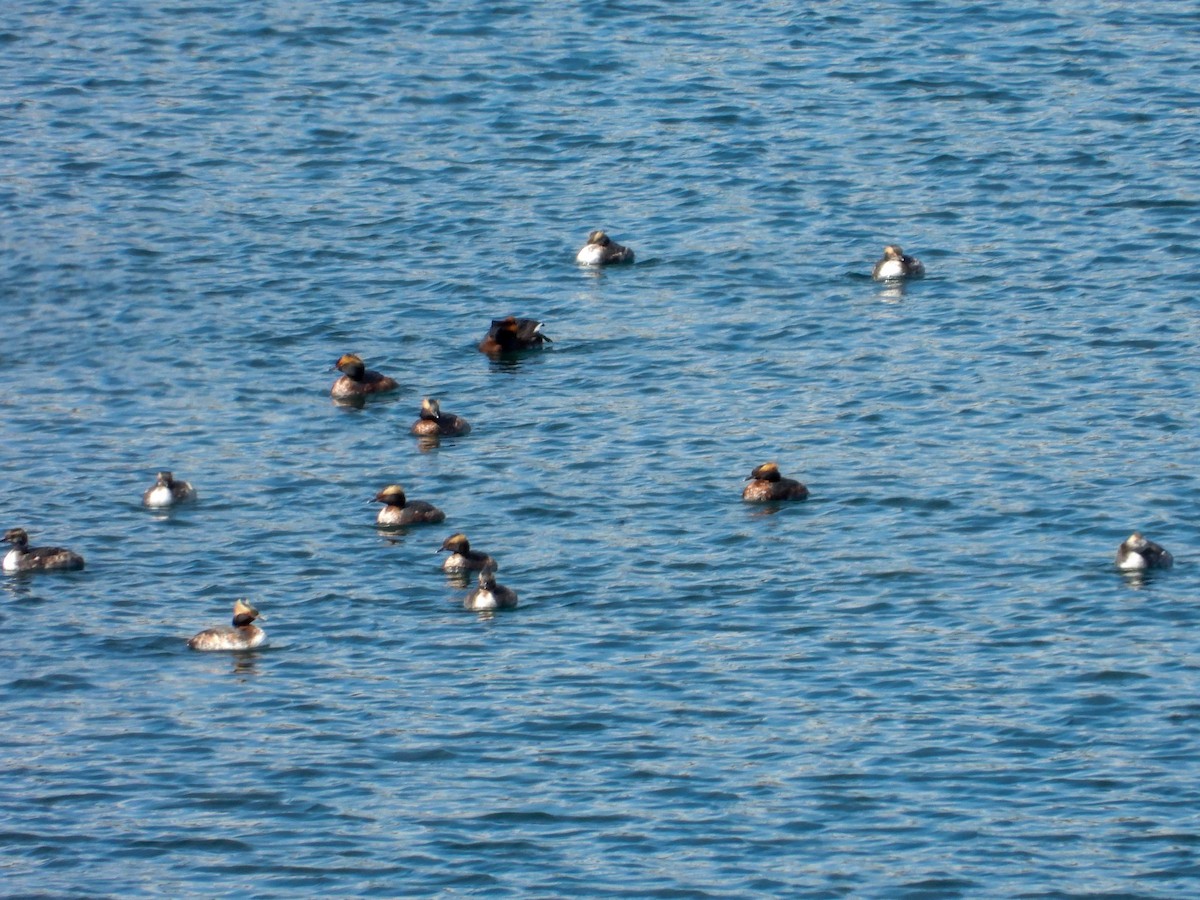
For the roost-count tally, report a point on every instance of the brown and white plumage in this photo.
(895, 264)
(1137, 553)
(434, 422)
(601, 250)
(490, 595)
(23, 558)
(357, 380)
(462, 558)
(242, 635)
(399, 510)
(167, 490)
(767, 484)
(511, 335)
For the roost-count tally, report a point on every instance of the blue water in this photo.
(926, 681)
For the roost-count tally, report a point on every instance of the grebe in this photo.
(511, 335)
(243, 635)
(600, 250)
(766, 484)
(23, 558)
(402, 511)
(167, 491)
(895, 264)
(357, 381)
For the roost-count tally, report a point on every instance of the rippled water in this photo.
(927, 680)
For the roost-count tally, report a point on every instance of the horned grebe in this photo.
(23, 558)
(1138, 553)
(434, 422)
(462, 557)
(402, 511)
(510, 335)
(167, 491)
(490, 595)
(895, 264)
(766, 483)
(243, 635)
(601, 250)
(357, 381)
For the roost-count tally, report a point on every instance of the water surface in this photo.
(927, 680)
